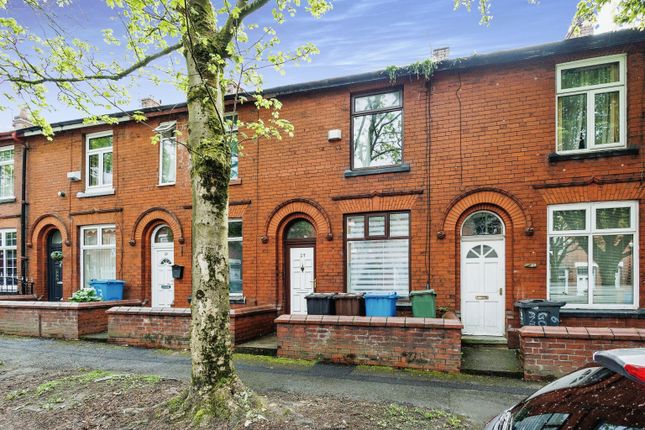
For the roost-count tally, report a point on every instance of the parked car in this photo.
(608, 396)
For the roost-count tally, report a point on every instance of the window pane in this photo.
(568, 269)
(613, 269)
(377, 101)
(234, 157)
(107, 168)
(6, 155)
(572, 122)
(100, 142)
(607, 118)
(235, 229)
(590, 75)
(12, 268)
(6, 180)
(376, 225)
(482, 223)
(90, 237)
(10, 238)
(235, 267)
(94, 170)
(108, 236)
(168, 161)
(355, 226)
(164, 235)
(377, 139)
(613, 218)
(399, 224)
(301, 229)
(378, 265)
(569, 220)
(98, 264)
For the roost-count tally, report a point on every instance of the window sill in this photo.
(600, 313)
(377, 170)
(96, 193)
(236, 181)
(169, 184)
(630, 150)
(7, 200)
(237, 300)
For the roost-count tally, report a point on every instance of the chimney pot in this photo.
(21, 120)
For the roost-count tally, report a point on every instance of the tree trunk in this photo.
(215, 390)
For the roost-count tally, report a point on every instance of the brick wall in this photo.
(430, 343)
(63, 320)
(170, 328)
(551, 352)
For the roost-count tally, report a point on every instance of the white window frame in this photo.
(101, 187)
(589, 231)
(164, 128)
(8, 163)
(99, 245)
(241, 240)
(3, 261)
(233, 117)
(591, 91)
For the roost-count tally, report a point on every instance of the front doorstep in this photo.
(63, 320)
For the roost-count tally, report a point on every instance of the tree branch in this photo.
(226, 33)
(108, 77)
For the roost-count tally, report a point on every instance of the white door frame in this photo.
(497, 241)
(169, 246)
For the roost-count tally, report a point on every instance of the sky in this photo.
(356, 36)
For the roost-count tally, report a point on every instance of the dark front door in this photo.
(54, 267)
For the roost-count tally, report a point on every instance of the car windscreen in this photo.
(590, 399)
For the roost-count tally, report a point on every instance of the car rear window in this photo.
(593, 398)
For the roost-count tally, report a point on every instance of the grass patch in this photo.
(265, 359)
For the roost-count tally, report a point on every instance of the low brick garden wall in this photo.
(551, 352)
(405, 342)
(170, 327)
(64, 320)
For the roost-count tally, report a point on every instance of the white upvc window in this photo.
(235, 257)
(8, 261)
(378, 252)
(593, 254)
(230, 119)
(98, 253)
(591, 104)
(6, 172)
(98, 162)
(167, 153)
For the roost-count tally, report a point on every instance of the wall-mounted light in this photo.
(74, 176)
(61, 194)
(334, 135)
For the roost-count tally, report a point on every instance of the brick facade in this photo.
(475, 138)
(418, 343)
(551, 352)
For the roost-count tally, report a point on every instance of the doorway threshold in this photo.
(484, 340)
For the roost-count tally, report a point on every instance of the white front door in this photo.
(301, 278)
(163, 284)
(482, 287)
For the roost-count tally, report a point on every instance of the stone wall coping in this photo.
(565, 332)
(66, 305)
(185, 312)
(23, 297)
(342, 320)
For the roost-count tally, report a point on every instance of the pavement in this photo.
(476, 397)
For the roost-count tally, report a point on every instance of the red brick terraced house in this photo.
(505, 176)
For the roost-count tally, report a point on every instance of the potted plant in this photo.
(85, 295)
(56, 255)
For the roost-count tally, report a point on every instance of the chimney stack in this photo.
(149, 102)
(21, 120)
(440, 54)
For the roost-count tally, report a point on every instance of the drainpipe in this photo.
(23, 208)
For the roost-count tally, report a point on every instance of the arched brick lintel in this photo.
(488, 196)
(298, 205)
(153, 214)
(45, 220)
